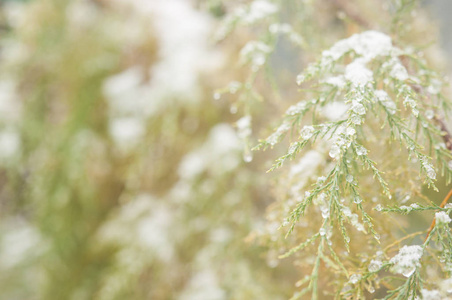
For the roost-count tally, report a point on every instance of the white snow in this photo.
(375, 265)
(407, 260)
(258, 10)
(255, 52)
(307, 132)
(296, 108)
(357, 73)
(334, 111)
(431, 295)
(399, 72)
(337, 81)
(9, 143)
(307, 165)
(383, 97)
(369, 45)
(442, 218)
(126, 132)
(244, 127)
(219, 153)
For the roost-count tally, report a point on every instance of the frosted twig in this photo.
(443, 204)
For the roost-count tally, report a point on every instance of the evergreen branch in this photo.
(300, 246)
(442, 205)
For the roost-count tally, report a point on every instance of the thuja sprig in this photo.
(356, 87)
(301, 246)
(368, 163)
(292, 119)
(414, 207)
(406, 262)
(408, 290)
(359, 94)
(344, 134)
(321, 255)
(263, 19)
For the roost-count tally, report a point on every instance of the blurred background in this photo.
(124, 173)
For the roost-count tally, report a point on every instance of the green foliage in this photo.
(128, 172)
(362, 94)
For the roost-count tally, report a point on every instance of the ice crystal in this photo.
(346, 211)
(360, 150)
(357, 120)
(429, 170)
(292, 148)
(358, 108)
(349, 178)
(325, 212)
(321, 179)
(350, 131)
(354, 219)
(282, 129)
(375, 265)
(359, 227)
(357, 199)
(335, 151)
(307, 132)
(429, 114)
(405, 208)
(355, 278)
(412, 104)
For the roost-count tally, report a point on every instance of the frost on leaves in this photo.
(365, 95)
(407, 260)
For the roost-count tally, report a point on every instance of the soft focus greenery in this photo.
(127, 161)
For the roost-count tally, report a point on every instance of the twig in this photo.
(447, 137)
(443, 204)
(402, 239)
